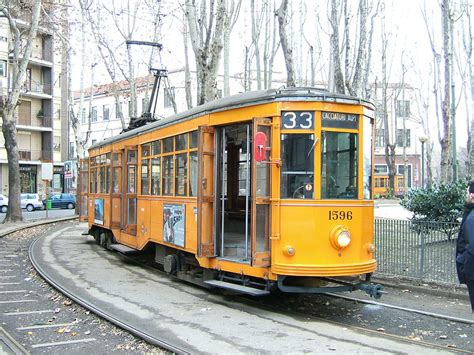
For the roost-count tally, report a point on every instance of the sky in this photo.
(408, 42)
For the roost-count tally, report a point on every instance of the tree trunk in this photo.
(446, 153)
(282, 15)
(7, 110)
(206, 39)
(337, 85)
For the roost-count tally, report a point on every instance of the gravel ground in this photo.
(23, 290)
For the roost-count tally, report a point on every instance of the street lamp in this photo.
(423, 140)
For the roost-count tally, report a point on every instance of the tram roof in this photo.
(245, 99)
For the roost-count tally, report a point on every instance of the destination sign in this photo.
(340, 120)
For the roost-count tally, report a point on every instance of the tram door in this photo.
(261, 190)
(243, 195)
(129, 191)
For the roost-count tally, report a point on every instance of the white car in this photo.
(31, 202)
(3, 203)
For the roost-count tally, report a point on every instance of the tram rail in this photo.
(152, 339)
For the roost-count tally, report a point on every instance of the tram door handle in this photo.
(204, 183)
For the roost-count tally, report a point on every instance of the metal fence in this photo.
(416, 250)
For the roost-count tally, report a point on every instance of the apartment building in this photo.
(405, 130)
(40, 111)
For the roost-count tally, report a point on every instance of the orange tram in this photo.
(254, 192)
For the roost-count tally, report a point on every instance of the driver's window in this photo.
(297, 172)
(339, 166)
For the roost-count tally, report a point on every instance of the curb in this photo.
(40, 222)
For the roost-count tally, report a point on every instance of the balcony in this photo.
(35, 89)
(35, 155)
(28, 123)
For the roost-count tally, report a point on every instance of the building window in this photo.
(57, 143)
(94, 141)
(3, 68)
(144, 105)
(400, 140)
(58, 114)
(94, 114)
(380, 138)
(118, 109)
(219, 93)
(402, 108)
(401, 171)
(380, 169)
(106, 112)
(169, 96)
(83, 116)
(72, 153)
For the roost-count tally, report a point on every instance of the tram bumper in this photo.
(373, 290)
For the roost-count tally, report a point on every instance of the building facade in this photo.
(405, 130)
(39, 113)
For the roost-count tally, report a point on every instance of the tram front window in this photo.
(339, 165)
(297, 172)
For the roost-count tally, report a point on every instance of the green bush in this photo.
(440, 203)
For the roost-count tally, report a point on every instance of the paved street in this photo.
(54, 213)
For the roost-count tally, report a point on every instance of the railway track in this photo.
(401, 308)
(152, 339)
(253, 311)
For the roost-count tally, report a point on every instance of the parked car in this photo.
(3, 203)
(62, 201)
(31, 202)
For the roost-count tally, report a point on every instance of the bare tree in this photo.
(206, 29)
(467, 37)
(22, 48)
(231, 16)
(76, 118)
(336, 78)
(282, 15)
(271, 43)
(446, 139)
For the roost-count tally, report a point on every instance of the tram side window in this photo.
(116, 173)
(297, 172)
(167, 175)
(145, 176)
(193, 173)
(181, 174)
(339, 165)
(155, 176)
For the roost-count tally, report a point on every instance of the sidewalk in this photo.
(7, 228)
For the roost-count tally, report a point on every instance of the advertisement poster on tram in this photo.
(99, 211)
(173, 224)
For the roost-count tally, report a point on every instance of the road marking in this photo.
(10, 256)
(9, 283)
(27, 312)
(7, 277)
(45, 345)
(6, 270)
(14, 291)
(18, 301)
(39, 326)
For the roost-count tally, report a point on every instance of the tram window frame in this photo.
(100, 174)
(333, 184)
(116, 173)
(172, 172)
(297, 182)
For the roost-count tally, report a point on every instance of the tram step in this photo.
(238, 288)
(122, 248)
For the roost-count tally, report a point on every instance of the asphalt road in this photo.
(54, 213)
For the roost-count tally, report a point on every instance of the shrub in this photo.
(440, 203)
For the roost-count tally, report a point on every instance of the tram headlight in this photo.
(340, 237)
